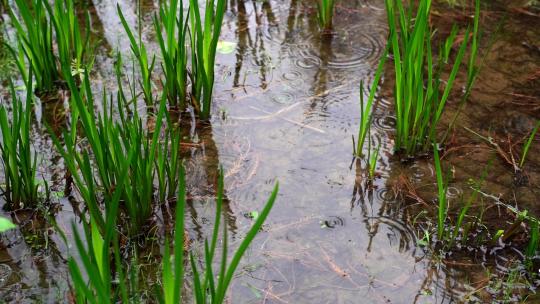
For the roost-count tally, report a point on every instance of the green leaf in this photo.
(6, 224)
(226, 47)
(254, 214)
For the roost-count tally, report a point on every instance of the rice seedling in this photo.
(138, 49)
(326, 13)
(204, 39)
(171, 26)
(212, 288)
(35, 29)
(104, 155)
(18, 160)
(419, 104)
(476, 186)
(167, 165)
(96, 257)
(102, 286)
(527, 145)
(71, 43)
(367, 108)
(34, 33)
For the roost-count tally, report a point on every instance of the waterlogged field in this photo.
(351, 223)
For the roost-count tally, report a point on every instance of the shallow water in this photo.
(286, 107)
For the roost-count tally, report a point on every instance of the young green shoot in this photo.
(212, 286)
(101, 246)
(138, 49)
(34, 34)
(36, 27)
(19, 161)
(204, 39)
(325, 13)
(366, 109)
(527, 145)
(172, 36)
(420, 95)
(98, 162)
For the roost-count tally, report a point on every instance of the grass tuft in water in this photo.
(420, 94)
(97, 163)
(138, 49)
(205, 31)
(102, 287)
(325, 13)
(212, 286)
(72, 44)
(19, 162)
(172, 35)
(37, 24)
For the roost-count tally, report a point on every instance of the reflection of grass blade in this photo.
(442, 188)
(373, 163)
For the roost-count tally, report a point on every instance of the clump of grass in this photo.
(72, 44)
(35, 43)
(172, 34)
(420, 95)
(325, 13)
(38, 26)
(174, 37)
(96, 165)
(19, 162)
(207, 288)
(146, 65)
(167, 165)
(96, 257)
(204, 39)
